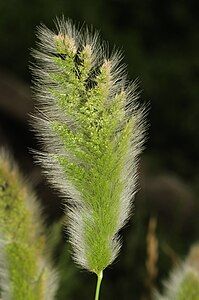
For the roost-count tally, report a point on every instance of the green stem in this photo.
(99, 280)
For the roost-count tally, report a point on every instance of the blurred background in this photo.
(160, 42)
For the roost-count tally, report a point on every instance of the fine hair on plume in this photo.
(91, 127)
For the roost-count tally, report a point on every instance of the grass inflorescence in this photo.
(91, 127)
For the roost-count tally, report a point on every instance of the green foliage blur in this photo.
(159, 40)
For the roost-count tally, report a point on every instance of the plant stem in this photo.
(99, 280)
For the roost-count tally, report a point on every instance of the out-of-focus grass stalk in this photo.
(25, 272)
(152, 255)
(183, 283)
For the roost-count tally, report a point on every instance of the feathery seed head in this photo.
(92, 132)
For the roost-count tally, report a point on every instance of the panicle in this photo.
(92, 130)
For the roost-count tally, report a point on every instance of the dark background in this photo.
(159, 40)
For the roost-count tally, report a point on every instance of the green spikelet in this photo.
(184, 280)
(24, 272)
(92, 134)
